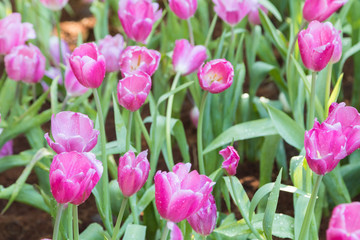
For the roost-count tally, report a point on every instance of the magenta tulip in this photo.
(133, 172)
(345, 222)
(231, 11)
(175, 233)
(184, 9)
(54, 5)
(133, 90)
(55, 51)
(216, 76)
(180, 193)
(73, 176)
(135, 58)
(231, 160)
(14, 33)
(254, 6)
(88, 65)
(320, 10)
(111, 48)
(25, 63)
(137, 18)
(186, 57)
(72, 132)
(72, 85)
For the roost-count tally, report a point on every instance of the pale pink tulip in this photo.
(54, 5)
(231, 160)
(231, 11)
(72, 85)
(184, 9)
(111, 48)
(320, 10)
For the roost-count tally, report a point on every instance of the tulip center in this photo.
(214, 77)
(136, 64)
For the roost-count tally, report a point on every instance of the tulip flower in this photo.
(133, 90)
(72, 85)
(216, 76)
(73, 176)
(133, 172)
(231, 11)
(186, 57)
(72, 132)
(231, 160)
(25, 63)
(176, 233)
(320, 10)
(55, 51)
(184, 9)
(180, 193)
(111, 48)
(7, 148)
(204, 221)
(137, 18)
(88, 65)
(253, 6)
(317, 45)
(14, 33)
(345, 222)
(135, 58)
(54, 5)
(194, 115)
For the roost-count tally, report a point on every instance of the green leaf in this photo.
(18, 160)
(176, 90)
(336, 187)
(335, 92)
(240, 195)
(267, 4)
(54, 95)
(353, 50)
(351, 176)
(146, 199)
(120, 126)
(93, 232)
(135, 232)
(267, 157)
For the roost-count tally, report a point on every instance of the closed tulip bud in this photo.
(55, 51)
(72, 85)
(231, 11)
(137, 18)
(184, 9)
(135, 59)
(54, 5)
(231, 160)
(216, 76)
(88, 65)
(254, 6)
(133, 90)
(180, 193)
(73, 176)
(72, 132)
(133, 172)
(186, 57)
(320, 10)
(14, 33)
(176, 233)
(25, 63)
(111, 48)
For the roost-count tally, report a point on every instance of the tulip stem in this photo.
(128, 132)
(199, 134)
(310, 208)
(34, 92)
(60, 47)
(211, 30)
(204, 237)
(57, 221)
(191, 34)
(311, 112)
(165, 233)
(167, 123)
(143, 128)
(119, 219)
(75, 222)
(327, 90)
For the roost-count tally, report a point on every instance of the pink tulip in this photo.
(337, 49)
(133, 90)
(231, 160)
(72, 132)
(55, 51)
(325, 146)
(345, 222)
(72, 85)
(133, 172)
(254, 6)
(7, 148)
(137, 18)
(88, 65)
(216, 76)
(135, 58)
(184, 9)
(204, 221)
(14, 33)
(317, 45)
(54, 5)
(73, 176)
(25, 63)
(186, 57)
(320, 10)
(194, 115)
(179, 194)
(176, 233)
(111, 48)
(231, 11)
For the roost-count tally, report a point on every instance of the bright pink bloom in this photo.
(345, 222)
(88, 65)
(231, 160)
(320, 10)
(111, 48)
(14, 33)
(216, 76)
(325, 146)
(133, 172)
(186, 57)
(194, 115)
(54, 5)
(73, 176)
(204, 221)
(25, 63)
(176, 233)
(72, 132)
(317, 45)
(137, 18)
(135, 58)
(72, 85)
(179, 194)
(184, 9)
(133, 90)
(231, 11)
(55, 51)
(253, 6)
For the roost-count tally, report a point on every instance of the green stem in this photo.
(167, 123)
(33, 86)
(60, 45)
(119, 219)
(133, 209)
(204, 237)
(199, 134)
(211, 30)
(232, 35)
(311, 112)
(143, 128)
(76, 222)
(310, 209)
(327, 90)
(128, 132)
(69, 215)
(191, 34)
(165, 233)
(3, 78)
(57, 221)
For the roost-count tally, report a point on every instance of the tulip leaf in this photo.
(135, 232)
(335, 92)
(351, 176)
(239, 197)
(268, 5)
(7, 96)
(336, 187)
(267, 157)
(18, 160)
(353, 50)
(93, 232)
(54, 95)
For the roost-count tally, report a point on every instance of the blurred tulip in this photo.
(194, 115)
(231, 160)
(72, 132)
(320, 10)
(176, 233)
(231, 11)
(254, 6)
(55, 51)
(72, 85)
(111, 48)
(54, 5)
(184, 9)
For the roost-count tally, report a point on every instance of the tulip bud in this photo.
(231, 11)
(111, 48)
(254, 6)
(55, 51)
(176, 233)
(72, 85)
(321, 10)
(54, 5)
(184, 9)
(231, 160)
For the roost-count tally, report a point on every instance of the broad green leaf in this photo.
(54, 95)
(351, 176)
(176, 90)
(18, 160)
(335, 92)
(336, 187)
(93, 232)
(135, 232)
(268, 5)
(239, 197)
(267, 157)
(146, 199)
(120, 126)
(353, 50)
